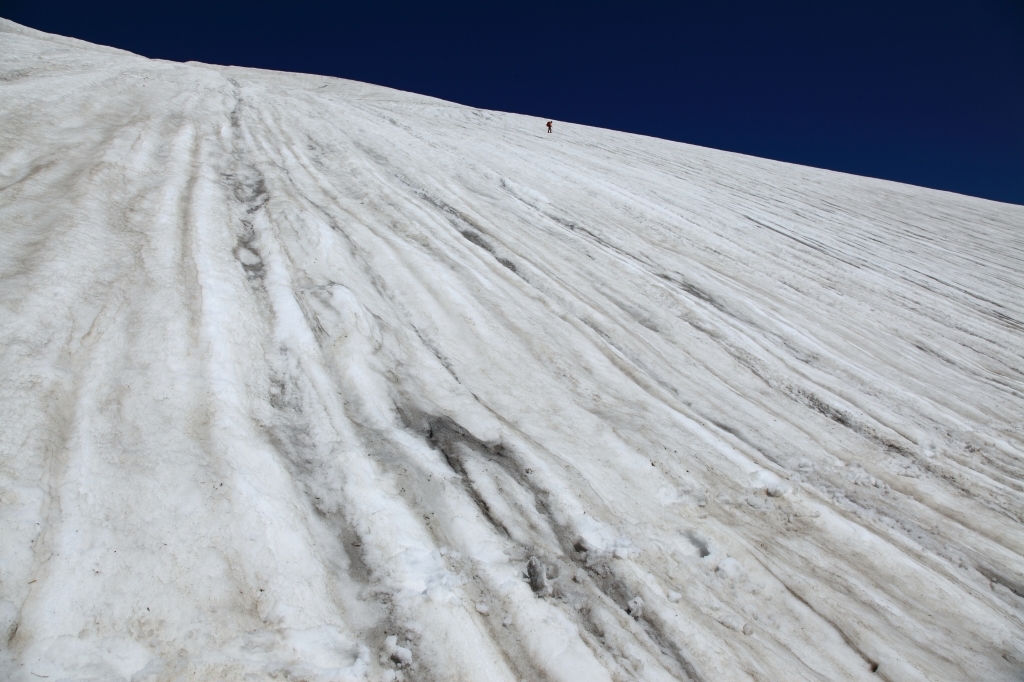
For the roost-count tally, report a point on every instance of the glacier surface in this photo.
(307, 379)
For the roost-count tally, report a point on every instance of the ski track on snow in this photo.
(299, 373)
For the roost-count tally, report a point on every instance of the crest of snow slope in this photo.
(297, 374)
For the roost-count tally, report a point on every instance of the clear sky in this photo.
(930, 93)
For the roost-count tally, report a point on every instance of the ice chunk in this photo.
(538, 575)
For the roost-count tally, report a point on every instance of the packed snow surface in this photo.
(306, 379)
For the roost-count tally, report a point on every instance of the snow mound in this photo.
(309, 379)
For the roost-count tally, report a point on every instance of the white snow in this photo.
(298, 374)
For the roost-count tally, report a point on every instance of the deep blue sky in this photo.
(930, 93)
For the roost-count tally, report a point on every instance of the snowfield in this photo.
(306, 379)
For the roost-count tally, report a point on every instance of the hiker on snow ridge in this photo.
(549, 126)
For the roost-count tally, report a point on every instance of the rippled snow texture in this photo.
(305, 379)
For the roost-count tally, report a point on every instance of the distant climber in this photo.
(549, 126)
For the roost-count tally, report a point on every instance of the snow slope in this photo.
(297, 374)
